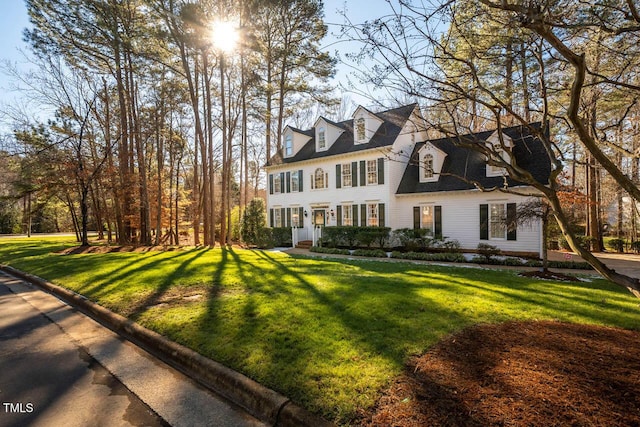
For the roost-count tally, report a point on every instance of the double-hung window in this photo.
(288, 146)
(295, 182)
(277, 183)
(347, 215)
(426, 220)
(322, 139)
(372, 214)
(427, 165)
(372, 172)
(497, 221)
(277, 218)
(346, 175)
(360, 130)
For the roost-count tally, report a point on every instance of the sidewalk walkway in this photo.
(628, 264)
(177, 399)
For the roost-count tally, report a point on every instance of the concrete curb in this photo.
(263, 403)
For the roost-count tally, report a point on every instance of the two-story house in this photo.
(379, 169)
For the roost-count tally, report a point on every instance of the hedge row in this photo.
(426, 256)
(354, 237)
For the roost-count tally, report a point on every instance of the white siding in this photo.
(461, 218)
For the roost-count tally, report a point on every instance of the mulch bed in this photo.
(519, 374)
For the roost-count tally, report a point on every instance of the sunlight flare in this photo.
(225, 36)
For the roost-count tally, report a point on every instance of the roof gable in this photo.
(462, 166)
(386, 134)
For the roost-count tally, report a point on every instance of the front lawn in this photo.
(330, 334)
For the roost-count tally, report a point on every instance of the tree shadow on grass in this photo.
(315, 331)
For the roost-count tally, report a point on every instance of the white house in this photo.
(379, 169)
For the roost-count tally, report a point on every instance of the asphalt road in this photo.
(60, 368)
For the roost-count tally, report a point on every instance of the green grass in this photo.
(327, 333)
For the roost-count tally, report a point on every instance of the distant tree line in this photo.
(156, 131)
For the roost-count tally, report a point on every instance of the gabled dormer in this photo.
(500, 148)
(431, 160)
(293, 140)
(365, 125)
(326, 133)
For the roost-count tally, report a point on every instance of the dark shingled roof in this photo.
(393, 122)
(463, 166)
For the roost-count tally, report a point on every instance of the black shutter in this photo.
(339, 215)
(288, 182)
(416, 217)
(363, 173)
(512, 226)
(363, 215)
(288, 224)
(484, 222)
(301, 215)
(338, 176)
(354, 214)
(300, 180)
(270, 217)
(270, 183)
(354, 174)
(437, 219)
(282, 184)
(381, 170)
(381, 217)
(283, 217)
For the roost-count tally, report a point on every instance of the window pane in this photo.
(347, 213)
(360, 129)
(277, 218)
(428, 166)
(372, 172)
(346, 175)
(427, 219)
(288, 146)
(319, 178)
(498, 221)
(321, 138)
(372, 215)
(294, 181)
(277, 185)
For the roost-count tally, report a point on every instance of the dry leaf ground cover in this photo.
(332, 335)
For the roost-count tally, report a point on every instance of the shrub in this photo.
(412, 239)
(450, 245)
(340, 236)
(375, 253)
(264, 239)
(635, 246)
(351, 237)
(425, 256)
(252, 223)
(281, 236)
(368, 235)
(332, 251)
(487, 251)
(617, 245)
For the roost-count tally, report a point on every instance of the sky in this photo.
(14, 19)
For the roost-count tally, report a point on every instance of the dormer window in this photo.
(427, 165)
(498, 152)
(360, 130)
(322, 139)
(431, 161)
(365, 125)
(288, 146)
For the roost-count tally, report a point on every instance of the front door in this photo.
(319, 217)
